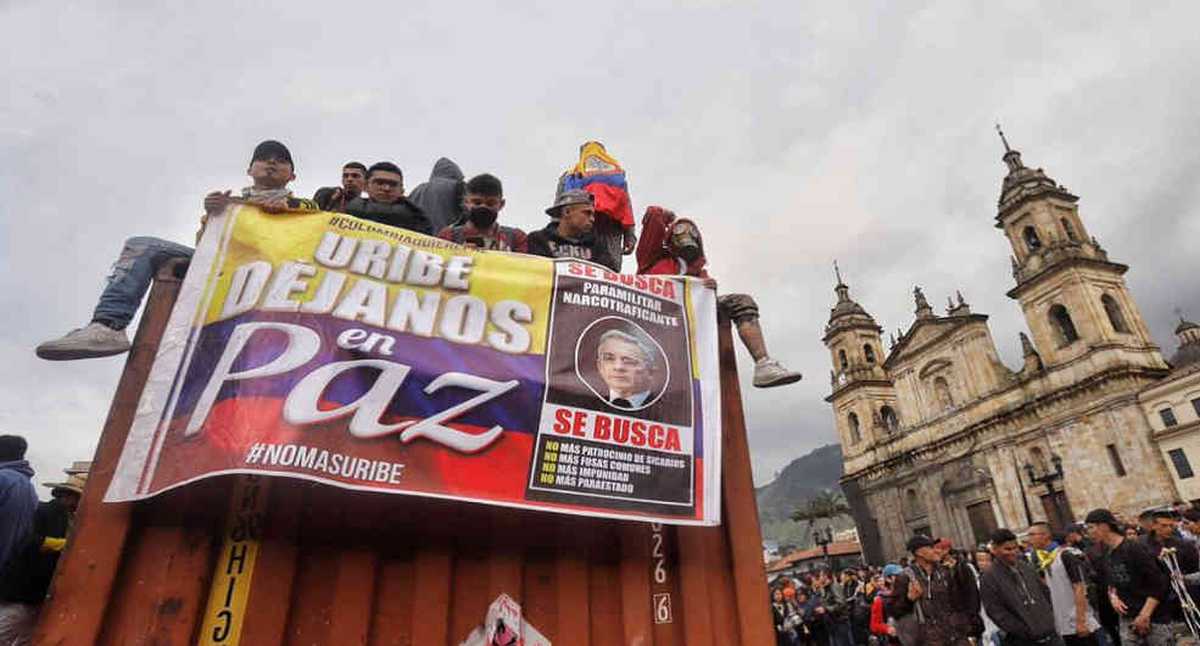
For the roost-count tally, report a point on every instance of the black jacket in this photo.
(26, 577)
(401, 213)
(1017, 601)
(548, 243)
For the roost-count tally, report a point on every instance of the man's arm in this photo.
(993, 603)
(1076, 574)
(1155, 583)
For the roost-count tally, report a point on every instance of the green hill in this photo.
(806, 476)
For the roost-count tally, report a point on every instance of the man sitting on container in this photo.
(385, 202)
(569, 234)
(271, 168)
(334, 198)
(483, 203)
(674, 246)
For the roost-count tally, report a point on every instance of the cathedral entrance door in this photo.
(983, 521)
(1058, 510)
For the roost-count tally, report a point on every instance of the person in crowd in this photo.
(929, 603)
(881, 626)
(1067, 574)
(334, 198)
(483, 202)
(18, 504)
(785, 615)
(1076, 536)
(673, 246)
(1015, 597)
(385, 202)
(1190, 525)
(441, 198)
(569, 234)
(271, 169)
(1138, 586)
(837, 600)
(858, 592)
(1164, 533)
(1145, 521)
(815, 630)
(18, 500)
(25, 579)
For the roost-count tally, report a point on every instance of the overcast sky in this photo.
(794, 135)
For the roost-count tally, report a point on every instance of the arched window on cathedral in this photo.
(855, 433)
(869, 352)
(890, 421)
(942, 389)
(1115, 317)
(1061, 319)
(1070, 230)
(1031, 238)
(842, 359)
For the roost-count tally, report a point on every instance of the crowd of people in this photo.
(586, 221)
(1106, 582)
(33, 535)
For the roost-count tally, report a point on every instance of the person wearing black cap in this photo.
(334, 198)
(271, 168)
(1137, 585)
(927, 604)
(569, 234)
(385, 202)
(483, 203)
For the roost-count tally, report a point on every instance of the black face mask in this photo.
(482, 217)
(689, 252)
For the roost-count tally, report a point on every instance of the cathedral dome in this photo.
(1188, 354)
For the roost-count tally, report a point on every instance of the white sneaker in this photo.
(95, 340)
(768, 373)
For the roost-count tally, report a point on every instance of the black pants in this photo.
(1075, 640)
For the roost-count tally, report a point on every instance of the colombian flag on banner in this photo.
(324, 347)
(600, 174)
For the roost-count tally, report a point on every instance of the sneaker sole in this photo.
(54, 354)
(782, 381)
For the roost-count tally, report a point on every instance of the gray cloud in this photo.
(793, 134)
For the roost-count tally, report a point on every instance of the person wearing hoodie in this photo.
(18, 499)
(484, 201)
(569, 234)
(441, 198)
(674, 246)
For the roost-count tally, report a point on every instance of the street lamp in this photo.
(1048, 479)
(824, 538)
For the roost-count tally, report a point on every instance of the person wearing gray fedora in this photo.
(569, 234)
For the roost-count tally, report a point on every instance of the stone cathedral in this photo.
(940, 437)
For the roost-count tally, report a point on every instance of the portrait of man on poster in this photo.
(628, 367)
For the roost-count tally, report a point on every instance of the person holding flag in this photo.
(599, 173)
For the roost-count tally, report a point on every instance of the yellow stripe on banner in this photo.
(226, 612)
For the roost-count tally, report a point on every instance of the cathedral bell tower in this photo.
(863, 397)
(1074, 298)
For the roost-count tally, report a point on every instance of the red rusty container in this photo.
(340, 567)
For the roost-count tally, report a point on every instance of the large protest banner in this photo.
(329, 348)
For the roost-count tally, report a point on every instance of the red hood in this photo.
(654, 253)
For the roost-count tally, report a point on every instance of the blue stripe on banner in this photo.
(614, 179)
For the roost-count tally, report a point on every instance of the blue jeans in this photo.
(131, 276)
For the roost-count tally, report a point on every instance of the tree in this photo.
(827, 505)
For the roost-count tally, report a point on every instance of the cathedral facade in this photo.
(940, 437)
